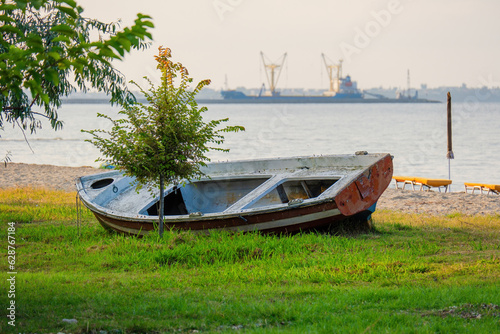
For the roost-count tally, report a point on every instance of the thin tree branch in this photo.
(25, 138)
(33, 102)
(37, 113)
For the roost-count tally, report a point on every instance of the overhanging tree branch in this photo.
(45, 42)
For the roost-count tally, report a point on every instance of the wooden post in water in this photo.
(449, 154)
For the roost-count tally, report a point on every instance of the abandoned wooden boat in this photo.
(273, 195)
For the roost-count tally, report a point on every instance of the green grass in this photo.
(411, 274)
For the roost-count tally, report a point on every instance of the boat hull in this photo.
(288, 221)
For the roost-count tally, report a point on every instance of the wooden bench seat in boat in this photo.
(490, 188)
(422, 182)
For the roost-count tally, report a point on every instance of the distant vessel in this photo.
(341, 90)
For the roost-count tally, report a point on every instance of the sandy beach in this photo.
(432, 202)
(42, 176)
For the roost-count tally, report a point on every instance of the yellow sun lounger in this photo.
(422, 182)
(491, 188)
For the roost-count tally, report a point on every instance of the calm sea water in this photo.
(415, 134)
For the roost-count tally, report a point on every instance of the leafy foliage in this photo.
(166, 138)
(46, 52)
(7, 158)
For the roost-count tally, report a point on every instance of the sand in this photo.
(432, 202)
(42, 176)
(439, 203)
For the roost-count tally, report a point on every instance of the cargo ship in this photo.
(342, 89)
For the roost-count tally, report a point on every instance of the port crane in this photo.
(273, 71)
(334, 79)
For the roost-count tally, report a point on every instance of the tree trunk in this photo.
(162, 204)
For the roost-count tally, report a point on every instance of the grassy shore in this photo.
(411, 274)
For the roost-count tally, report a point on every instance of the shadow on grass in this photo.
(351, 227)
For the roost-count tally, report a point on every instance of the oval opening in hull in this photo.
(101, 183)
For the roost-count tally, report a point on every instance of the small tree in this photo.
(164, 141)
(46, 52)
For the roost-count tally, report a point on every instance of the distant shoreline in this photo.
(298, 100)
(207, 95)
(85, 101)
(257, 101)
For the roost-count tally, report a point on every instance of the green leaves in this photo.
(52, 76)
(68, 11)
(64, 29)
(47, 43)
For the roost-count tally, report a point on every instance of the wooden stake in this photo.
(449, 155)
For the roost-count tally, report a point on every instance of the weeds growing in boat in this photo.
(413, 273)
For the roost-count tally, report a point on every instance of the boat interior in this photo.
(207, 196)
(234, 195)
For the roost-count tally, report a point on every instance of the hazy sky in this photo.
(441, 42)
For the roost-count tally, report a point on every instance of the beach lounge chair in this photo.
(422, 182)
(490, 188)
